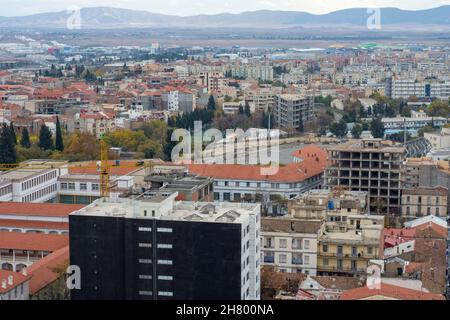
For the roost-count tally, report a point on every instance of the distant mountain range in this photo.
(106, 17)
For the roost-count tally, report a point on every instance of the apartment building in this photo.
(96, 123)
(152, 247)
(263, 72)
(328, 204)
(213, 81)
(347, 246)
(405, 88)
(424, 201)
(293, 108)
(369, 165)
(290, 244)
(263, 99)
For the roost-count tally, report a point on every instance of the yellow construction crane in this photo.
(104, 170)
(103, 167)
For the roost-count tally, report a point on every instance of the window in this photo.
(437, 211)
(145, 229)
(145, 277)
(165, 230)
(325, 248)
(282, 258)
(339, 250)
(165, 278)
(145, 261)
(226, 196)
(354, 251)
(165, 262)
(95, 187)
(326, 262)
(165, 293)
(306, 244)
(164, 246)
(71, 186)
(83, 186)
(145, 293)
(306, 259)
(283, 243)
(63, 186)
(370, 250)
(145, 245)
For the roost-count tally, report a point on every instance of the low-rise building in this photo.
(290, 244)
(346, 247)
(424, 201)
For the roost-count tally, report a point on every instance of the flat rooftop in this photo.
(369, 145)
(174, 210)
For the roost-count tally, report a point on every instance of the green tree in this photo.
(59, 144)
(377, 128)
(247, 109)
(8, 153)
(439, 108)
(356, 131)
(339, 129)
(25, 139)
(13, 133)
(45, 138)
(241, 109)
(211, 103)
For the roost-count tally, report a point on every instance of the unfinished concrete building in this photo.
(369, 165)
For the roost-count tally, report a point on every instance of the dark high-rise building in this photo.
(154, 248)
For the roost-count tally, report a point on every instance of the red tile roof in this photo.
(124, 168)
(314, 163)
(46, 270)
(32, 241)
(390, 292)
(18, 278)
(46, 225)
(38, 209)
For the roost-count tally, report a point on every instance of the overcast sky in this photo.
(191, 7)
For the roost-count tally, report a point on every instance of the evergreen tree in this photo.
(45, 138)
(25, 139)
(357, 131)
(241, 109)
(211, 103)
(339, 129)
(8, 153)
(247, 109)
(13, 133)
(377, 128)
(59, 144)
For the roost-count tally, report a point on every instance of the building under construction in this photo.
(369, 165)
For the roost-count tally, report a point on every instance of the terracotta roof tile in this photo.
(314, 163)
(45, 271)
(32, 241)
(38, 209)
(390, 292)
(18, 278)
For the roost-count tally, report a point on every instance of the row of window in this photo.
(6, 190)
(419, 200)
(38, 180)
(159, 246)
(160, 277)
(160, 293)
(282, 243)
(83, 186)
(161, 262)
(40, 193)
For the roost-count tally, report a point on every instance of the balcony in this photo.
(297, 261)
(269, 259)
(342, 269)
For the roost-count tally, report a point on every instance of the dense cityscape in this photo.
(157, 171)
